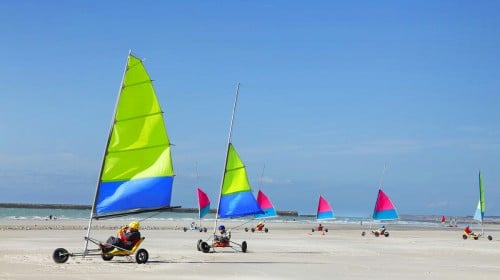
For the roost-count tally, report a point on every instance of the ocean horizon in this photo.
(41, 212)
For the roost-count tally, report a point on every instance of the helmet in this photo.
(135, 225)
(222, 227)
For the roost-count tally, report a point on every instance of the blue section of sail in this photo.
(325, 215)
(478, 215)
(204, 211)
(133, 194)
(238, 204)
(268, 212)
(390, 214)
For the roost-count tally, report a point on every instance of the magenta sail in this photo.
(324, 209)
(203, 203)
(384, 208)
(266, 206)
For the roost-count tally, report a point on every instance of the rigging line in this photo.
(382, 177)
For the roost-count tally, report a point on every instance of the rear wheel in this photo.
(464, 236)
(490, 237)
(376, 234)
(266, 230)
(246, 229)
(205, 229)
(185, 229)
(205, 247)
(312, 229)
(244, 246)
(326, 230)
(60, 255)
(141, 256)
(253, 230)
(106, 257)
(363, 233)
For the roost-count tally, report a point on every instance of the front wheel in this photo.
(141, 256)
(363, 233)
(266, 230)
(386, 234)
(198, 245)
(490, 237)
(464, 236)
(244, 246)
(60, 255)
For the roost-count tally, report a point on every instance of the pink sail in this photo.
(203, 203)
(384, 209)
(266, 206)
(324, 209)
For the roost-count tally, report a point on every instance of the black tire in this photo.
(326, 230)
(205, 247)
(476, 237)
(363, 233)
(198, 245)
(312, 230)
(141, 256)
(246, 229)
(106, 257)
(464, 236)
(60, 255)
(205, 229)
(185, 229)
(490, 237)
(266, 230)
(376, 234)
(386, 234)
(253, 230)
(244, 246)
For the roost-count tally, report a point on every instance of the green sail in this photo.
(137, 171)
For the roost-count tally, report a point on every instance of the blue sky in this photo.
(330, 92)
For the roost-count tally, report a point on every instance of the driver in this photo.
(128, 236)
(224, 236)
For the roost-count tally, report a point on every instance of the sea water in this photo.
(74, 214)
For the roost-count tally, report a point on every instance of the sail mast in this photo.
(227, 153)
(382, 177)
(262, 176)
(481, 201)
(104, 156)
(197, 186)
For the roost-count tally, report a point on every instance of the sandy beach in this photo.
(287, 251)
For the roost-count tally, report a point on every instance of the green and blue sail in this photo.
(137, 172)
(481, 205)
(236, 198)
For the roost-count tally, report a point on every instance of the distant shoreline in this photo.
(89, 207)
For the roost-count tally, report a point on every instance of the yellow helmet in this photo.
(135, 225)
